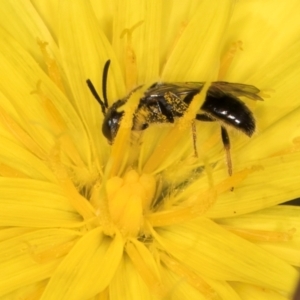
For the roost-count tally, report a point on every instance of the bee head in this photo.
(112, 117)
(112, 121)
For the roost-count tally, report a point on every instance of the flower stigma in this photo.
(129, 198)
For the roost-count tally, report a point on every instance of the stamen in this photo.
(58, 126)
(199, 203)
(172, 139)
(53, 70)
(236, 179)
(177, 37)
(131, 70)
(121, 147)
(228, 58)
(194, 134)
(21, 135)
(80, 204)
(262, 235)
(167, 218)
(190, 277)
(128, 198)
(291, 149)
(53, 115)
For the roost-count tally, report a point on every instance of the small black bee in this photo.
(164, 102)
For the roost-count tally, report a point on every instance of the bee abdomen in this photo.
(231, 111)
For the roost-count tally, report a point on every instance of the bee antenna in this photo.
(104, 82)
(103, 104)
(96, 95)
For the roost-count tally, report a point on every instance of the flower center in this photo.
(128, 199)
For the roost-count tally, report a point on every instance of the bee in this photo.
(163, 102)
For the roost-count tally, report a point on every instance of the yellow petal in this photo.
(83, 45)
(174, 19)
(28, 27)
(21, 71)
(32, 203)
(283, 221)
(23, 163)
(196, 56)
(259, 25)
(207, 249)
(128, 284)
(26, 253)
(142, 45)
(94, 255)
(287, 128)
(183, 283)
(262, 188)
(8, 233)
(85, 49)
(104, 11)
(249, 292)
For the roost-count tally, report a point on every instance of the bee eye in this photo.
(106, 129)
(111, 124)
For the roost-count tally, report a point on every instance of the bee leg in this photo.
(139, 126)
(194, 133)
(226, 143)
(225, 140)
(164, 109)
(204, 118)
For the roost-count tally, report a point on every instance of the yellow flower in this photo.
(144, 218)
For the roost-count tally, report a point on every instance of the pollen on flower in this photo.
(128, 198)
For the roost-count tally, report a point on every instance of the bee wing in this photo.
(178, 88)
(237, 89)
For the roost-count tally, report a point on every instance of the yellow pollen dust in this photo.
(129, 198)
